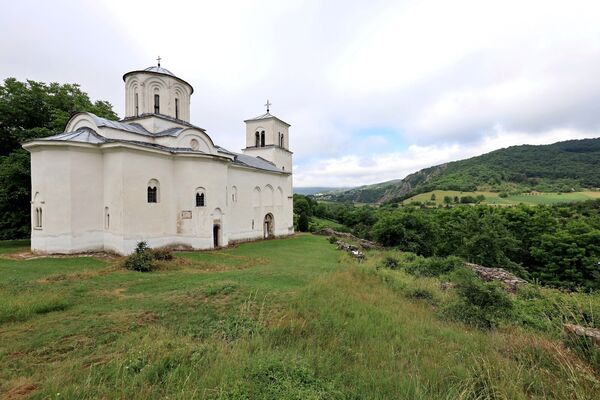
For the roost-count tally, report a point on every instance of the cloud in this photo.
(361, 85)
(354, 170)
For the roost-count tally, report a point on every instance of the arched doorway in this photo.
(268, 226)
(216, 234)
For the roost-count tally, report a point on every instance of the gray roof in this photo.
(83, 135)
(133, 127)
(159, 70)
(266, 115)
(255, 162)
(88, 135)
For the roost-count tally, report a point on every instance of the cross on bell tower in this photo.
(268, 104)
(158, 59)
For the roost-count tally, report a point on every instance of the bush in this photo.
(141, 260)
(421, 294)
(503, 195)
(303, 222)
(162, 254)
(390, 263)
(332, 239)
(434, 266)
(480, 304)
(468, 200)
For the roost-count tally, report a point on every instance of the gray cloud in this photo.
(454, 78)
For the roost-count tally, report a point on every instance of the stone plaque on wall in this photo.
(186, 215)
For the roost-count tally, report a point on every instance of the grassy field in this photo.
(493, 198)
(320, 223)
(281, 319)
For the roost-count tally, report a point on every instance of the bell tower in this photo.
(267, 137)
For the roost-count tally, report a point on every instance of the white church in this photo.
(105, 185)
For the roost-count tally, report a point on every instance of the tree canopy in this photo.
(31, 110)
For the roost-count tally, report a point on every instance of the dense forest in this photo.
(31, 110)
(559, 167)
(555, 245)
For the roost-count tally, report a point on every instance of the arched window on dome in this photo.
(137, 106)
(156, 104)
(177, 108)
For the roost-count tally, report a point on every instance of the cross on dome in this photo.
(158, 59)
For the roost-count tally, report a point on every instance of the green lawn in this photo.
(494, 198)
(279, 319)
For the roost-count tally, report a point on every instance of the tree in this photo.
(31, 110)
(432, 197)
(303, 222)
(447, 199)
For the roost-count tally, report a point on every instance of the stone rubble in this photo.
(364, 244)
(509, 280)
(353, 250)
(593, 334)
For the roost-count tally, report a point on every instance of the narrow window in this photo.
(137, 106)
(177, 108)
(156, 104)
(199, 199)
(257, 139)
(106, 218)
(152, 197)
(38, 217)
(262, 139)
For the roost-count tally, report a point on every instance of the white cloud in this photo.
(355, 171)
(441, 74)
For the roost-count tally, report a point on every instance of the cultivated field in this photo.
(494, 198)
(281, 319)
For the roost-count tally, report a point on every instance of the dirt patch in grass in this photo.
(78, 276)
(20, 388)
(28, 255)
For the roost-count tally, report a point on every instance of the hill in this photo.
(310, 190)
(560, 167)
(279, 319)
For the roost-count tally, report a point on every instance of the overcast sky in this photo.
(374, 90)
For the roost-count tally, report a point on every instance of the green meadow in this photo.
(280, 319)
(494, 198)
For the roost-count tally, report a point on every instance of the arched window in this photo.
(257, 143)
(234, 194)
(137, 106)
(38, 217)
(106, 218)
(153, 191)
(262, 139)
(177, 108)
(199, 199)
(156, 104)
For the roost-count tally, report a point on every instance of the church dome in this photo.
(159, 70)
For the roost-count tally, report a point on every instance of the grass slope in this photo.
(290, 319)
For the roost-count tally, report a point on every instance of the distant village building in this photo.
(104, 185)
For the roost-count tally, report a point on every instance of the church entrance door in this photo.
(268, 226)
(216, 231)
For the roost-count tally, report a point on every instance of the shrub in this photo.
(434, 266)
(585, 349)
(503, 195)
(141, 259)
(332, 239)
(162, 254)
(390, 263)
(421, 294)
(480, 304)
(468, 200)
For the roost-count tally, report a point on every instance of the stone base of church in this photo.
(108, 242)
